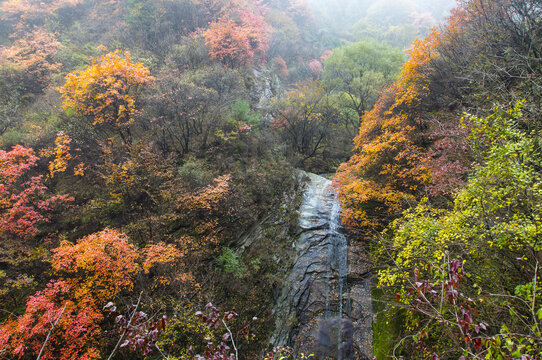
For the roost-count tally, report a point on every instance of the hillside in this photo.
(157, 195)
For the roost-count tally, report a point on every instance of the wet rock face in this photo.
(325, 308)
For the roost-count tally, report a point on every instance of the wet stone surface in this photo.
(325, 308)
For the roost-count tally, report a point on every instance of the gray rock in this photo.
(325, 307)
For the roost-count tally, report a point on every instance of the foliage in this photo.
(107, 90)
(387, 169)
(214, 319)
(34, 53)
(492, 227)
(73, 327)
(187, 109)
(316, 67)
(393, 160)
(358, 71)
(308, 119)
(230, 262)
(184, 333)
(23, 200)
(61, 155)
(243, 114)
(139, 332)
(12, 99)
(32, 12)
(236, 44)
(281, 67)
(98, 266)
(166, 265)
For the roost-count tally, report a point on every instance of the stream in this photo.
(325, 308)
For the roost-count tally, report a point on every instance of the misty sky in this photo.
(342, 14)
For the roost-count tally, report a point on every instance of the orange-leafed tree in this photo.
(228, 42)
(389, 168)
(281, 67)
(165, 264)
(394, 153)
(106, 92)
(34, 53)
(99, 265)
(414, 81)
(386, 170)
(206, 209)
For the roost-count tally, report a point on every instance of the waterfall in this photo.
(315, 314)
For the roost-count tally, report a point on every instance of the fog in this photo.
(353, 16)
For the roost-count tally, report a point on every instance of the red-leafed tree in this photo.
(53, 326)
(23, 200)
(258, 32)
(238, 44)
(63, 320)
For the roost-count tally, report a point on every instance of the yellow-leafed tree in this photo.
(107, 90)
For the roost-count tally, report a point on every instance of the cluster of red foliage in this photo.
(214, 319)
(54, 326)
(237, 43)
(63, 320)
(23, 200)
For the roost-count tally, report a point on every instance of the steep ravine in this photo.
(325, 307)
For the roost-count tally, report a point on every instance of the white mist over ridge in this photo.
(349, 16)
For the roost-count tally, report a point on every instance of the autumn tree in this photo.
(281, 67)
(24, 203)
(34, 53)
(54, 326)
(238, 44)
(106, 92)
(207, 209)
(99, 265)
(63, 320)
(257, 31)
(388, 171)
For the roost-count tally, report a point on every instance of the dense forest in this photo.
(155, 155)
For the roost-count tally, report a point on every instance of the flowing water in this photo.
(325, 308)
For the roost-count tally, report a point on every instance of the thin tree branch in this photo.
(126, 329)
(50, 332)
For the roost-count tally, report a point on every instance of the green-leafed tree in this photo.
(358, 72)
